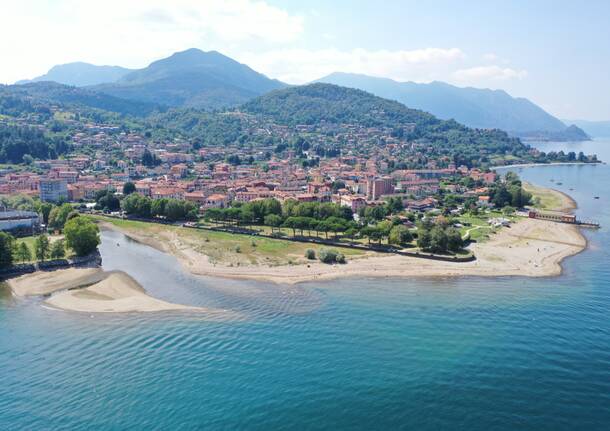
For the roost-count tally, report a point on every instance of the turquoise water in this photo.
(466, 353)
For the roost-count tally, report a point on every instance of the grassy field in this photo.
(546, 199)
(478, 228)
(29, 241)
(223, 247)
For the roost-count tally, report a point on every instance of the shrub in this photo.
(330, 256)
(310, 254)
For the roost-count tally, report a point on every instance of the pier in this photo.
(562, 218)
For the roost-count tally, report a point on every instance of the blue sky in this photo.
(556, 53)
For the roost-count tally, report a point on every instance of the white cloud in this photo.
(39, 34)
(297, 66)
(488, 73)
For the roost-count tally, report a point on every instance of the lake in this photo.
(428, 354)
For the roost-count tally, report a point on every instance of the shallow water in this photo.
(469, 353)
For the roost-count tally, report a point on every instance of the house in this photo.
(484, 201)
(216, 201)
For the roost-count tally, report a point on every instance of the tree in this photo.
(400, 235)
(41, 247)
(372, 233)
(82, 235)
(45, 210)
(136, 204)
(128, 188)
(23, 253)
(454, 240)
(106, 200)
(58, 250)
(423, 238)
(273, 220)
(438, 240)
(6, 250)
(59, 215)
(310, 254)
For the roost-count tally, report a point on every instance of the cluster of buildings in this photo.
(372, 166)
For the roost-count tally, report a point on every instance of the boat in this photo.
(559, 183)
(595, 197)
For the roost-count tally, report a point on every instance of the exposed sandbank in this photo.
(91, 290)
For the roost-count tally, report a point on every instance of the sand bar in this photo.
(116, 293)
(93, 290)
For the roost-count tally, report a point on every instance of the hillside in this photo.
(480, 108)
(345, 113)
(49, 93)
(81, 74)
(314, 103)
(192, 78)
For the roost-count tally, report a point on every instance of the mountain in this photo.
(81, 74)
(363, 123)
(52, 93)
(597, 129)
(480, 108)
(192, 78)
(327, 103)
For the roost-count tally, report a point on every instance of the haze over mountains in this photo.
(474, 107)
(211, 80)
(81, 74)
(597, 129)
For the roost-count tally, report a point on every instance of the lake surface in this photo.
(455, 353)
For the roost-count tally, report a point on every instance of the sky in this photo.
(555, 53)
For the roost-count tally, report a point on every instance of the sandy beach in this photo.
(91, 290)
(532, 248)
(529, 247)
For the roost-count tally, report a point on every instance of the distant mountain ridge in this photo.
(480, 108)
(79, 74)
(192, 78)
(597, 129)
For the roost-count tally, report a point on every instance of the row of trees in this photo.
(171, 209)
(309, 217)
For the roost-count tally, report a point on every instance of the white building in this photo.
(53, 190)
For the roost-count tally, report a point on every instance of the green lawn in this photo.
(224, 247)
(29, 241)
(477, 226)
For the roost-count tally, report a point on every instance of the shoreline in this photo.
(532, 248)
(533, 165)
(528, 248)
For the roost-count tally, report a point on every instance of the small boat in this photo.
(595, 197)
(559, 183)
